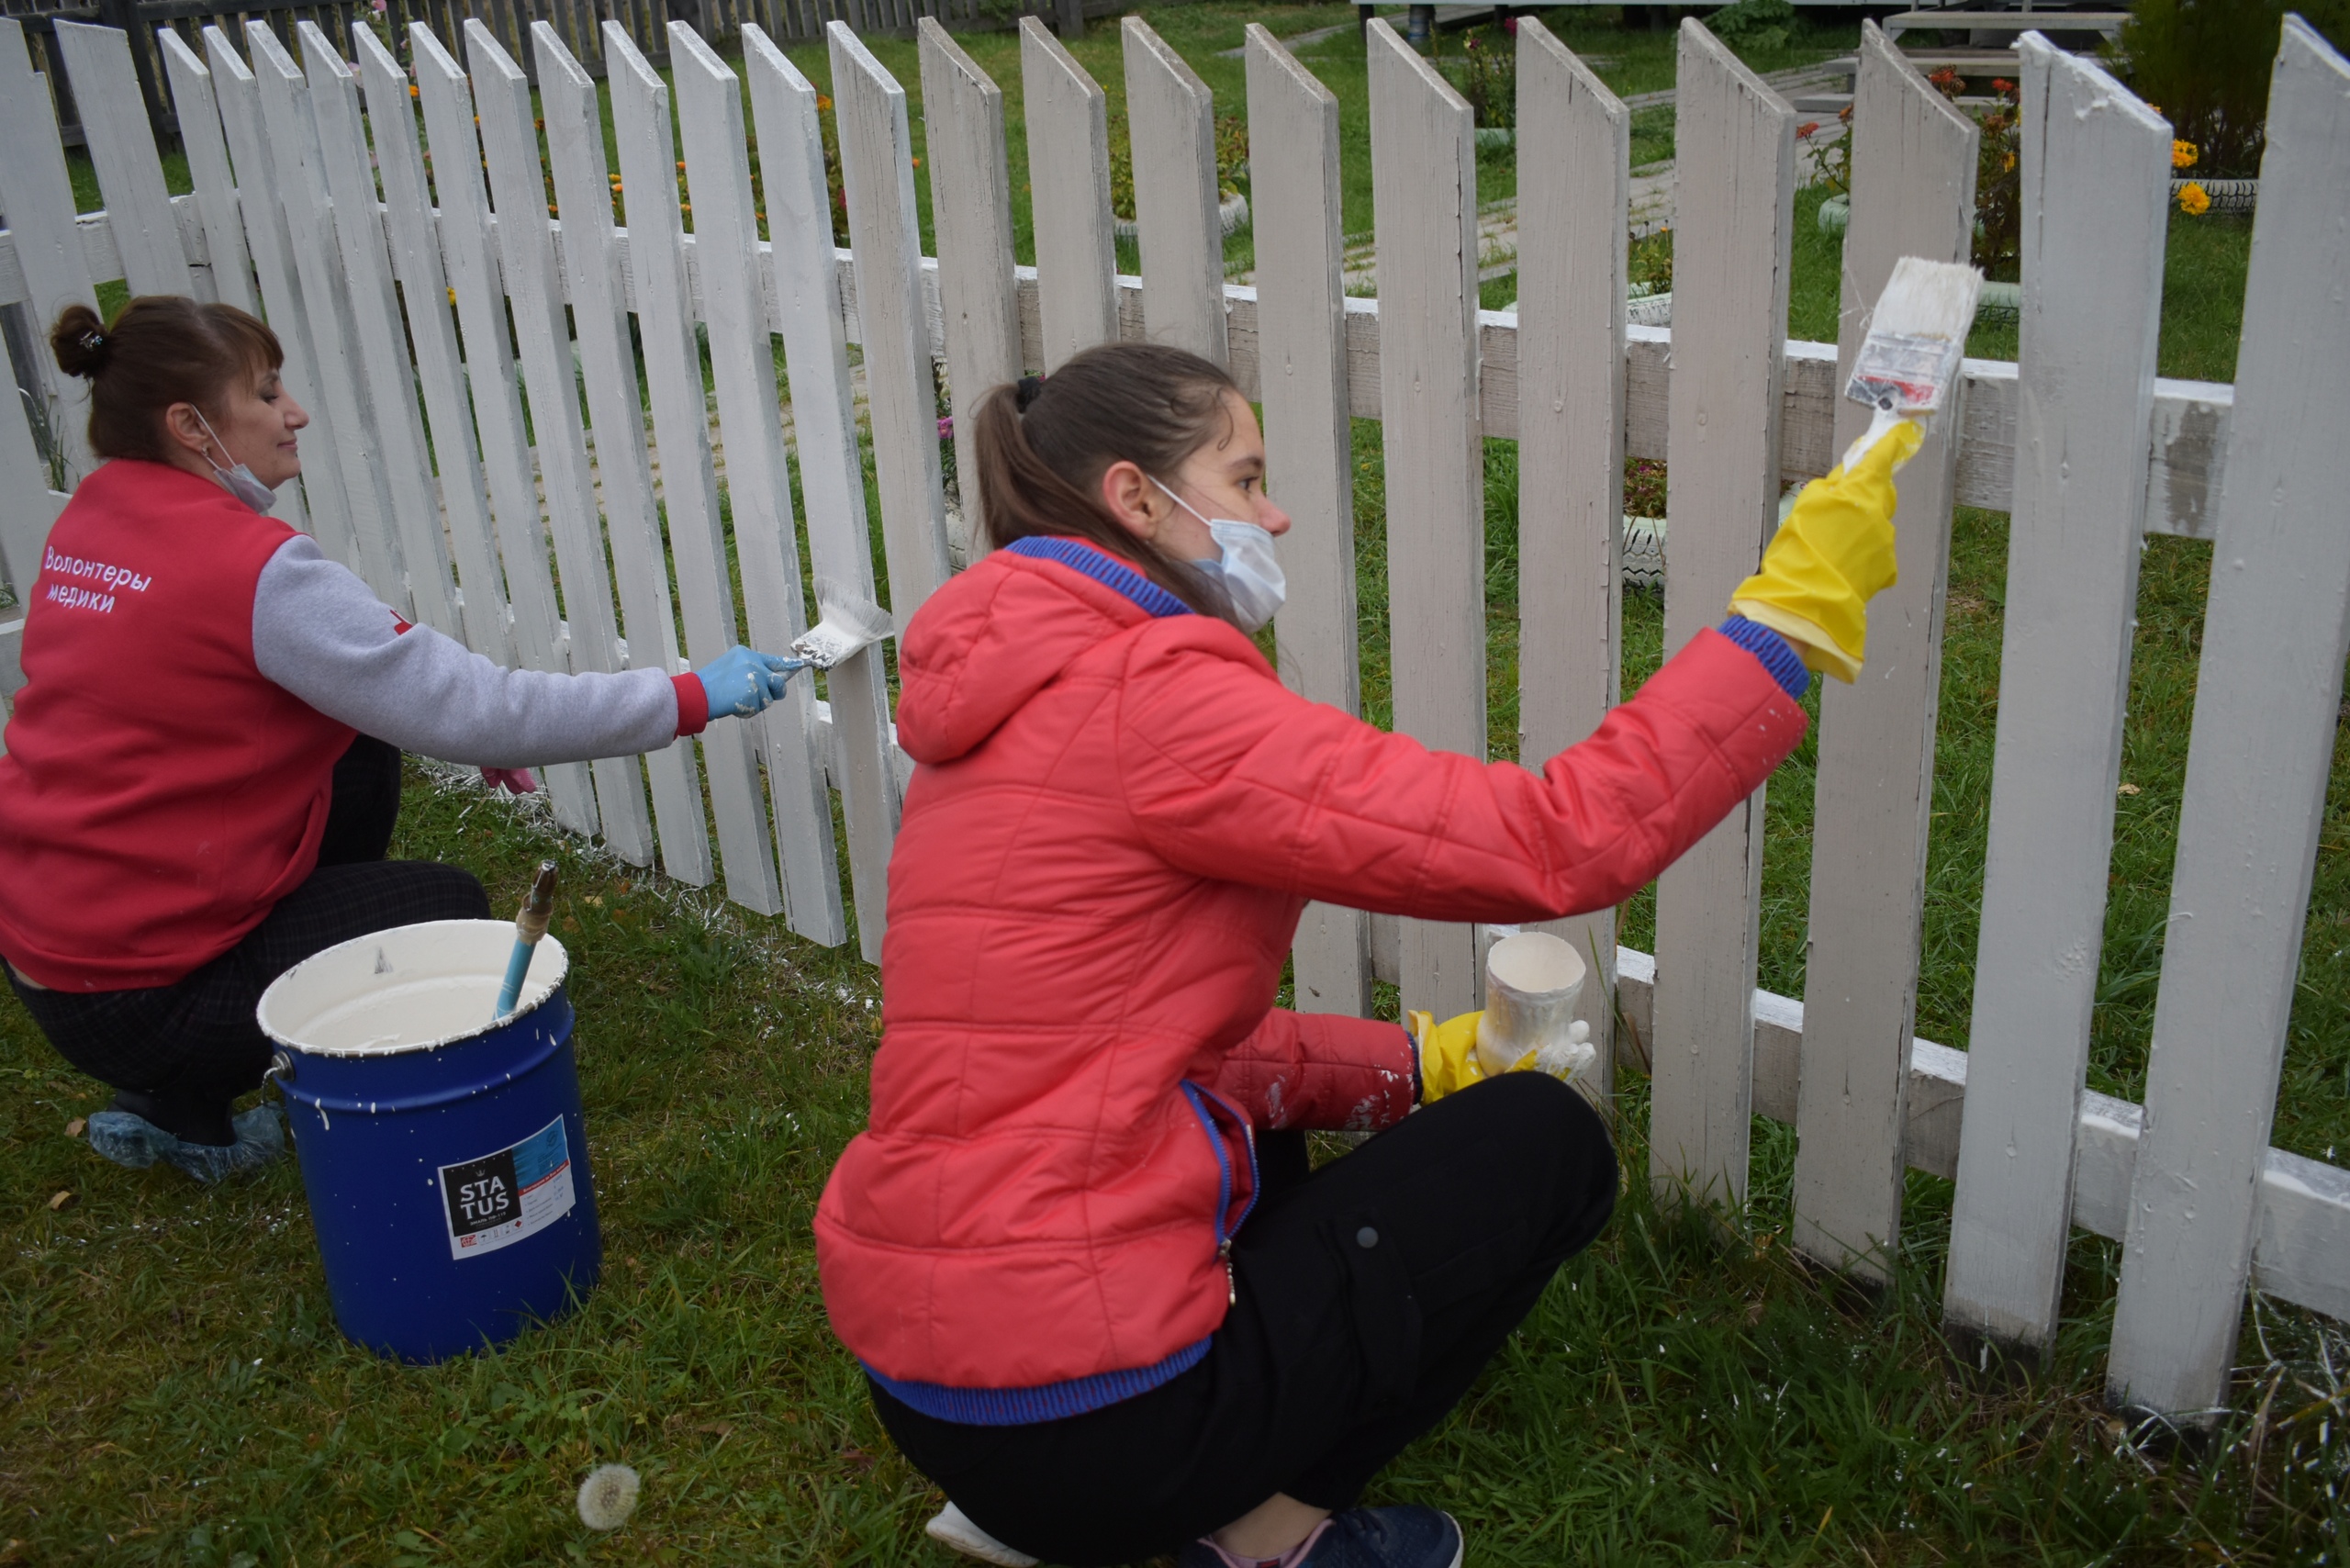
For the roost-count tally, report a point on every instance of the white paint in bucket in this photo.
(1531, 982)
(410, 989)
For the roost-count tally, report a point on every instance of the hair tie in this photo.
(94, 340)
(1025, 394)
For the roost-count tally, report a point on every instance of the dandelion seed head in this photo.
(608, 1496)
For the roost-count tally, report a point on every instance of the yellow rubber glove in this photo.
(1448, 1053)
(1833, 554)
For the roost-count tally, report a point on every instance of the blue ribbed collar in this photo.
(1109, 572)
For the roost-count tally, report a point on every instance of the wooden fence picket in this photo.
(647, 145)
(718, 169)
(1171, 121)
(469, 249)
(1424, 196)
(121, 146)
(382, 335)
(1309, 450)
(1734, 208)
(1574, 193)
(568, 102)
(971, 204)
(534, 296)
(1068, 177)
(877, 169)
(2096, 173)
(2267, 711)
(208, 164)
(832, 478)
(299, 191)
(1913, 195)
(37, 198)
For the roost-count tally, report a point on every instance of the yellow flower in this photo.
(2182, 154)
(2194, 200)
(2009, 164)
(824, 103)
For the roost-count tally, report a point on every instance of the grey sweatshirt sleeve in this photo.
(323, 635)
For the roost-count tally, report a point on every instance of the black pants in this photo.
(180, 1054)
(1370, 1294)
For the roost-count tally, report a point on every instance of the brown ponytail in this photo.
(162, 349)
(1043, 444)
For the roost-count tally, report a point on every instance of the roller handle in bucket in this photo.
(529, 927)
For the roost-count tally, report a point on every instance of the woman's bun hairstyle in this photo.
(160, 349)
(80, 342)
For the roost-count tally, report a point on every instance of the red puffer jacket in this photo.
(1119, 815)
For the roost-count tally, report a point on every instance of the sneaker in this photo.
(954, 1528)
(133, 1140)
(1400, 1537)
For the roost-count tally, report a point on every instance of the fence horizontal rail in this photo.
(2185, 443)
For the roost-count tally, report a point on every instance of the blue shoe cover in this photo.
(134, 1141)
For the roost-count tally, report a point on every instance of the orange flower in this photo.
(2193, 200)
(414, 90)
(823, 104)
(2183, 155)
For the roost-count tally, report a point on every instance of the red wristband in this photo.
(693, 704)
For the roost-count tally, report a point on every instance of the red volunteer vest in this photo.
(159, 794)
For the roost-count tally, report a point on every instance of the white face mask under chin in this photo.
(241, 481)
(1249, 567)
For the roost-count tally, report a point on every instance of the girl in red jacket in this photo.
(1098, 1294)
(204, 766)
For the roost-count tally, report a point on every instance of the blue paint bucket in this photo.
(443, 1155)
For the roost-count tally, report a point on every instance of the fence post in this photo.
(1068, 174)
(1912, 180)
(36, 196)
(1309, 448)
(970, 203)
(2266, 713)
(120, 136)
(122, 16)
(832, 479)
(1170, 126)
(2094, 198)
(1424, 185)
(567, 102)
(1573, 195)
(1734, 198)
(216, 187)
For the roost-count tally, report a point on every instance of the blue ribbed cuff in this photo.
(1085, 558)
(1778, 655)
(1039, 1402)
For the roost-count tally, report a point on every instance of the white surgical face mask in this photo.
(241, 481)
(1249, 568)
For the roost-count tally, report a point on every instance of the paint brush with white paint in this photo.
(851, 622)
(1908, 364)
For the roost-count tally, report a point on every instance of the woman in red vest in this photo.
(1098, 1295)
(203, 769)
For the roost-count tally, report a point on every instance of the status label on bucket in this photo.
(500, 1198)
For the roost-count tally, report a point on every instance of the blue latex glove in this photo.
(741, 681)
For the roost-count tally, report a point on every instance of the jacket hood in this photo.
(996, 635)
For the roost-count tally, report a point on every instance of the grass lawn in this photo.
(179, 1394)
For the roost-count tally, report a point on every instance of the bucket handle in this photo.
(281, 1067)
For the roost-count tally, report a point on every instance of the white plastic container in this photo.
(1532, 983)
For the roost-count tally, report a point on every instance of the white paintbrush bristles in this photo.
(1907, 365)
(850, 622)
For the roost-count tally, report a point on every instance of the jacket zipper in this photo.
(1197, 1094)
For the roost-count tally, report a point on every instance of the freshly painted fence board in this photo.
(876, 167)
(1913, 195)
(391, 393)
(1574, 193)
(28, 510)
(832, 478)
(1069, 178)
(207, 165)
(1170, 119)
(469, 248)
(122, 149)
(2266, 711)
(1424, 192)
(1733, 202)
(316, 502)
(2096, 189)
(709, 118)
(568, 104)
(37, 198)
(353, 443)
(550, 379)
(971, 202)
(673, 372)
(1302, 356)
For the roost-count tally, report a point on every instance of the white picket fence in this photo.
(393, 294)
